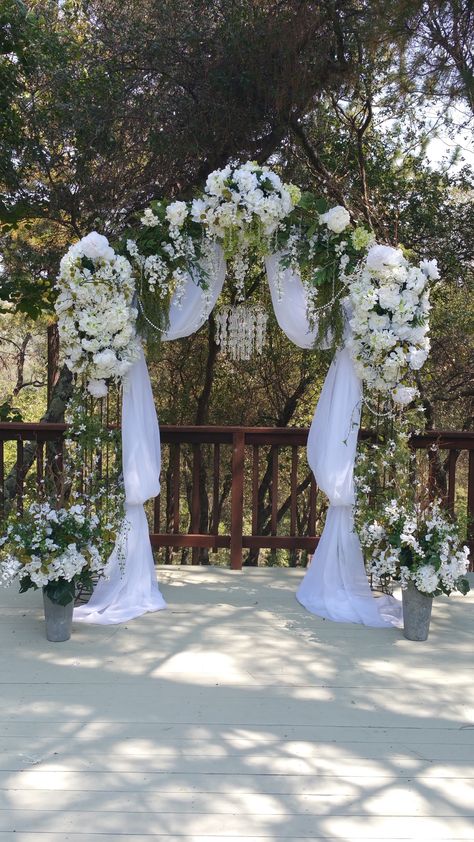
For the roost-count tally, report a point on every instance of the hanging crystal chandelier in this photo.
(242, 330)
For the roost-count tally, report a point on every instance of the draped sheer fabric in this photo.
(130, 588)
(335, 585)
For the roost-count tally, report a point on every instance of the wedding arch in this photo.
(331, 286)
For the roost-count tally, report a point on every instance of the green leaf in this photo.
(463, 586)
(9, 412)
(61, 592)
(26, 583)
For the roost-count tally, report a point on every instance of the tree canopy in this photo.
(107, 104)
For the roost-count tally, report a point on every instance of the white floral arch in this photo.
(384, 306)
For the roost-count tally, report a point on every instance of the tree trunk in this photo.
(53, 359)
(54, 414)
(201, 417)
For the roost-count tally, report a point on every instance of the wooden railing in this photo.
(259, 486)
(236, 488)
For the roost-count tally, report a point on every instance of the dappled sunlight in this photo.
(239, 714)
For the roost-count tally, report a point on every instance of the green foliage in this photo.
(88, 139)
(9, 412)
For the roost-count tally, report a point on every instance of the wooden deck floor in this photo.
(235, 715)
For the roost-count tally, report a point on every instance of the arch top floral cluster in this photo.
(251, 213)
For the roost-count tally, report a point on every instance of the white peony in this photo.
(336, 219)
(403, 395)
(380, 258)
(96, 247)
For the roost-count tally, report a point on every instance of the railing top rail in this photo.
(20, 426)
(170, 433)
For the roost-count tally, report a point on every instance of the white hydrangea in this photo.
(149, 219)
(97, 388)
(383, 259)
(430, 269)
(404, 395)
(426, 579)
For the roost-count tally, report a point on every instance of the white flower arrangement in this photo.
(251, 213)
(52, 549)
(418, 544)
(96, 317)
(390, 306)
(242, 207)
(236, 197)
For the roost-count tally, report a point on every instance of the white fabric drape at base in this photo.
(335, 585)
(130, 588)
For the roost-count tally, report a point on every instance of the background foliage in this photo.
(107, 105)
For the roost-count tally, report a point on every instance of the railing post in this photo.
(470, 507)
(237, 512)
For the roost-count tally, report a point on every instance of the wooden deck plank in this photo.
(360, 826)
(235, 715)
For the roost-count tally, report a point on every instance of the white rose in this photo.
(90, 344)
(336, 219)
(380, 258)
(403, 395)
(176, 213)
(105, 359)
(96, 246)
(377, 322)
(97, 388)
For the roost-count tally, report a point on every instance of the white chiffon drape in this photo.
(130, 588)
(335, 585)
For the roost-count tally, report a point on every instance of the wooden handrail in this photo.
(244, 448)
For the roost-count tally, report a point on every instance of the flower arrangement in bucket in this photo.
(419, 546)
(52, 549)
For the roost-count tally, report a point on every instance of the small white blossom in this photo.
(430, 269)
(149, 219)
